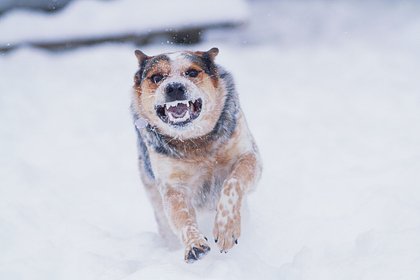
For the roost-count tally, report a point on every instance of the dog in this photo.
(195, 150)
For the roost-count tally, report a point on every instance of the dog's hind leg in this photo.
(182, 218)
(227, 226)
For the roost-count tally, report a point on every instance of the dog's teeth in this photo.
(176, 103)
(185, 102)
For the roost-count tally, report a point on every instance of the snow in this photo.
(92, 18)
(336, 118)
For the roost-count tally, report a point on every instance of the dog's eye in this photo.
(157, 78)
(191, 73)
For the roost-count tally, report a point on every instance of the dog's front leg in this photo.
(227, 227)
(181, 216)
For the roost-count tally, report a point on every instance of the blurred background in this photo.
(331, 92)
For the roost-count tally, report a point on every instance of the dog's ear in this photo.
(212, 53)
(141, 57)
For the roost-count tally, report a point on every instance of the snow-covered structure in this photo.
(49, 5)
(92, 21)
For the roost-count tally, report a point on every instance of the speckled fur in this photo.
(210, 165)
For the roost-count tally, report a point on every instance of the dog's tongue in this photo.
(179, 110)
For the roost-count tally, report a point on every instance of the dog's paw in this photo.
(227, 225)
(196, 250)
(227, 230)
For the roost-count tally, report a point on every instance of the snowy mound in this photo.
(96, 19)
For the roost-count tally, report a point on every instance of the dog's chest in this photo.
(206, 189)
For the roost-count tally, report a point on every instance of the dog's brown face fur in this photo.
(180, 93)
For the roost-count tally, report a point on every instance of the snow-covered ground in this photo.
(336, 115)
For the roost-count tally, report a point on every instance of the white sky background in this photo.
(332, 95)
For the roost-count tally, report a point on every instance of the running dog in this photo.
(195, 149)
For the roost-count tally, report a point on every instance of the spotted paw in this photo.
(227, 229)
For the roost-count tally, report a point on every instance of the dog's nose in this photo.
(175, 91)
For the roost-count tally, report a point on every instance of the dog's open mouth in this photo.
(179, 112)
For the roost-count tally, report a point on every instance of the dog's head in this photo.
(179, 93)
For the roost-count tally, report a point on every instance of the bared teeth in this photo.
(189, 103)
(176, 103)
(191, 106)
(179, 112)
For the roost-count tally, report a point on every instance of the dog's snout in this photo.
(175, 91)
